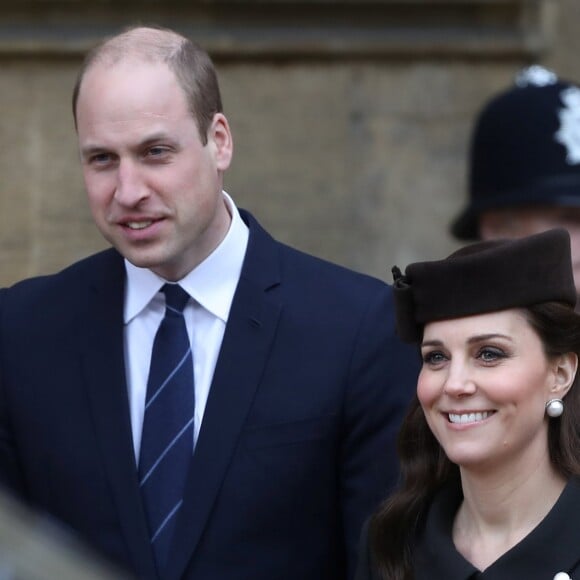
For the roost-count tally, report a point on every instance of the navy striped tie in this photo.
(167, 440)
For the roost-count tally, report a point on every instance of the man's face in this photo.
(154, 188)
(525, 221)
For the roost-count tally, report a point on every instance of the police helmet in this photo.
(525, 149)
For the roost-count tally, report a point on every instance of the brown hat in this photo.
(484, 277)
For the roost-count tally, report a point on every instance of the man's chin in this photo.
(139, 259)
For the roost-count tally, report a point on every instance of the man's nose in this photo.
(131, 188)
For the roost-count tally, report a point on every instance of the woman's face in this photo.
(483, 387)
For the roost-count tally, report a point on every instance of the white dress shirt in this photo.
(212, 285)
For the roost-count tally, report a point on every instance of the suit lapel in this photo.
(103, 365)
(249, 334)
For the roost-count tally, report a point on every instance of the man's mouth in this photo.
(138, 225)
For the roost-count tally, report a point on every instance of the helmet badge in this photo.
(569, 132)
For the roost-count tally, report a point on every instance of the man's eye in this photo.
(157, 151)
(100, 159)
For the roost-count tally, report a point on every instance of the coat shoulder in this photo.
(69, 280)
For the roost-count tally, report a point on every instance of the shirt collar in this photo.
(212, 283)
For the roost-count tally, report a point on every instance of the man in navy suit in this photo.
(300, 383)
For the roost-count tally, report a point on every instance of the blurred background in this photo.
(351, 118)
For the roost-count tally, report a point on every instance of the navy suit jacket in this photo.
(297, 442)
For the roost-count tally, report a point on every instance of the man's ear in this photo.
(219, 137)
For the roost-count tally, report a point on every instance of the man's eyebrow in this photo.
(92, 149)
(153, 138)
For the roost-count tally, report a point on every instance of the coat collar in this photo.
(552, 547)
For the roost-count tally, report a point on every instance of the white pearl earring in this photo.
(554, 407)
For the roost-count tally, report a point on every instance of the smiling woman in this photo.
(489, 449)
(483, 389)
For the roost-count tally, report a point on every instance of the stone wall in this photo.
(351, 119)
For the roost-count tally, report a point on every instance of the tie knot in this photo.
(175, 296)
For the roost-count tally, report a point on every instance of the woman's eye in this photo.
(490, 354)
(434, 357)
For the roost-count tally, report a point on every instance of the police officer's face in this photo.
(525, 221)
